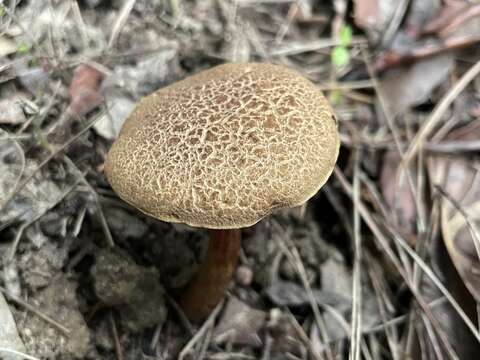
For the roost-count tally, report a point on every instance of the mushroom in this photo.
(221, 150)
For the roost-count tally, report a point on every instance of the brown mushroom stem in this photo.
(214, 275)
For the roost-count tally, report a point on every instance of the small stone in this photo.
(11, 112)
(244, 275)
(118, 109)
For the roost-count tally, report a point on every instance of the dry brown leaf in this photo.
(458, 178)
(450, 255)
(285, 293)
(463, 245)
(419, 13)
(84, 89)
(366, 12)
(374, 16)
(445, 15)
(398, 197)
(413, 85)
(240, 324)
(454, 328)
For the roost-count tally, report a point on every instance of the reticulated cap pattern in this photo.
(223, 148)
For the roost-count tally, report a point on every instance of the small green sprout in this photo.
(23, 48)
(335, 97)
(340, 53)
(340, 58)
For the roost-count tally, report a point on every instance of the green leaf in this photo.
(345, 35)
(23, 48)
(340, 56)
(335, 97)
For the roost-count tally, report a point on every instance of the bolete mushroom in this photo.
(221, 150)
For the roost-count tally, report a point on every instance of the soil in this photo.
(86, 276)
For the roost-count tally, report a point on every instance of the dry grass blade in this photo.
(467, 267)
(206, 342)
(397, 140)
(389, 328)
(260, 2)
(103, 220)
(355, 343)
(45, 111)
(432, 339)
(438, 112)
(384, 243)
(30, 308)
(429, 272)
(48, 159)
(296, 261)
(400, 319)
(122, 18)
(118, 346)
(180, 313)
(231, 356)
(454, 147)
(267, 348)
(394, 24)
(314, 45)
(201, 332)
(77, 15)
(346, 85)
(17, 353)
(22, 228)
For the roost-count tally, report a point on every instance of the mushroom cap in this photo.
(223, 148)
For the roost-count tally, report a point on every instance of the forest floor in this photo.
(383, 263)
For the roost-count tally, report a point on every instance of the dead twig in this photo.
(437, 113)
(392, 58)
(294, 48)
(355, 339)
(384, 243)
(201, 332)
(17, 353)
(120, 22)
(101, 214)
(118, 346)
(183, 318)
(381, 238)
(294, 258)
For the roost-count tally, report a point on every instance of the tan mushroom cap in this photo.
(223, 148)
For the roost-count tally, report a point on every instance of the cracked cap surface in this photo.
(223, 148)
